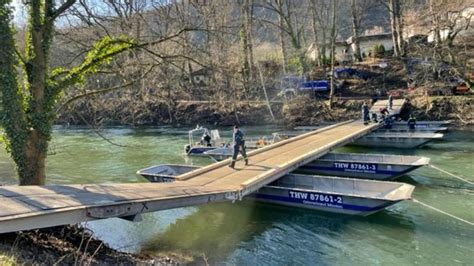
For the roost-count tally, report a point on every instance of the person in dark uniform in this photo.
(412, 123)
(206, 139)
(390, 102)
(239, 146)
(387, 122)
(374, 117)
(365, 113)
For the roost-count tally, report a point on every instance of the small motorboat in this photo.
(220, 154)
(402, 140)
(198, 148)
(333, 194)
(165, 172)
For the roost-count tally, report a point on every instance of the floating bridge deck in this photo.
(30, 207)
(397, 106)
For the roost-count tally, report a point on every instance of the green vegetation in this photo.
(29, 106)
(379, 50)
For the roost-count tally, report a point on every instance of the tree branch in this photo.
(56, 13)
(95, 92)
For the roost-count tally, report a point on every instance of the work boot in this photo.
(246, 161)
(232, 165)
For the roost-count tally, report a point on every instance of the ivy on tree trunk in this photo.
(28, 110)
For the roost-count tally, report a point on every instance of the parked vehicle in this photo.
(293, 85)
(347, 72)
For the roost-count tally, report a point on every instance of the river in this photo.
(247, 233)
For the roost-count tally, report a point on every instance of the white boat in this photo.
(400, 140)
(220, 154)
(198, 148)
(165, 172)
(331, 194)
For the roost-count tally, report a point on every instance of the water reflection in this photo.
(217, 231)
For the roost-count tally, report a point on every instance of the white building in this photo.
(368, 42)
(345, 49)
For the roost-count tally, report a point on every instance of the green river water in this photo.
(247, 233)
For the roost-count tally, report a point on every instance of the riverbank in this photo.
(301, 110)
(67, 245)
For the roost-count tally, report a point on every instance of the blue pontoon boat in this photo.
(331, 194)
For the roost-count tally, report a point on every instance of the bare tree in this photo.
(360, 9)
(320, 17)
(333, 54)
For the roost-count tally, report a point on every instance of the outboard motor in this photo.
(187, 148)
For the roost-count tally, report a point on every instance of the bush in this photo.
(379, 50)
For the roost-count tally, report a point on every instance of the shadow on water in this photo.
(218, 230)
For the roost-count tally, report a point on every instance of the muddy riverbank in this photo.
(67, 245)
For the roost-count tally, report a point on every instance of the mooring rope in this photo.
(443, 212)
(453, 175)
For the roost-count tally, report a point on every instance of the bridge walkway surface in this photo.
(397, 106)
(30, 207)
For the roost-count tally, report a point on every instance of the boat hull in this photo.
(376, 171)
(365, 166)
(199, 151)
(396, 140)
(417, 129)
(293, 197)
(329, 194)
(401, 143)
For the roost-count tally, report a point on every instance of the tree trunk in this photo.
(284, 52)
(250, 38)
(244, 43)
(333, 54)
(393, 27)
(400, 41)
(322, 55)
(13, 117)
(355, 32)
(315, 33)
(35, 154)
(436, 24)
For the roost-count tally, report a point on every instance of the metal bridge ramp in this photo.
(30, 207)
